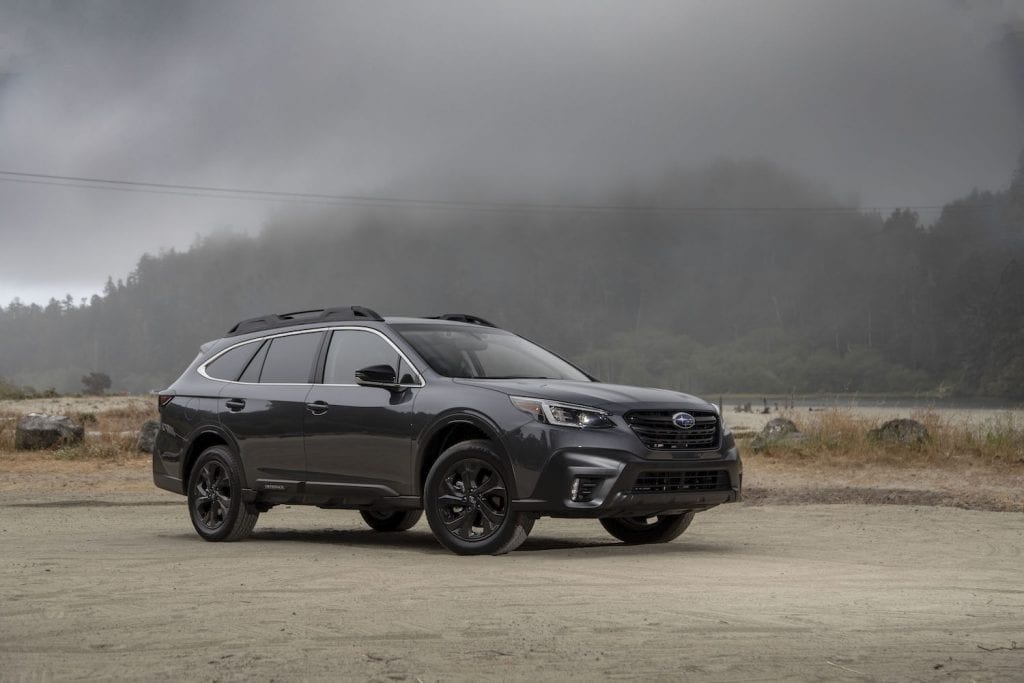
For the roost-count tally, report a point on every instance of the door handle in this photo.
(318, 407)
(234, 404)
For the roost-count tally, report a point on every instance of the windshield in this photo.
(484, 353)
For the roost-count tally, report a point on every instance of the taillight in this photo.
(163, 399)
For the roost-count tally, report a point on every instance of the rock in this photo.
(36, 431)
(147, 435)
(901, 431)
(778, 431)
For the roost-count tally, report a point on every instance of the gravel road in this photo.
(122, 587)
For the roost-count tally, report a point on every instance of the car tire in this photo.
(637, 530)
(215, 497)
(391, 520)
(467, 498)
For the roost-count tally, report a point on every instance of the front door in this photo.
(359, 440)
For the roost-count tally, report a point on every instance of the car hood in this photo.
(615, 398)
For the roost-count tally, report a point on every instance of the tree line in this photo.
(734, 286)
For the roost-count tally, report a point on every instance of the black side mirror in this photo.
(377, 376)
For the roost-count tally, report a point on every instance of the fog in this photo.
(884, 103)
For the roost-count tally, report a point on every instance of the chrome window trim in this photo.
(202, 368)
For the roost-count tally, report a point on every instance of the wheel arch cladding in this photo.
(199, 444)
(454, 431)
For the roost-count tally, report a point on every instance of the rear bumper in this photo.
(164, 480)
(623, 484)
(168, 450)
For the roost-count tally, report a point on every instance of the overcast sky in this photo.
(908, 102)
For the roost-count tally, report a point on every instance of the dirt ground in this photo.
(122, 588)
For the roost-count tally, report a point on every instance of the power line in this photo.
(205, 191)
(176, 193)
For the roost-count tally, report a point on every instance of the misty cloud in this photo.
(908, 103)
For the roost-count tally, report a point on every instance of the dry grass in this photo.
(107, 463)
(837, 438)
(977, 465)
(111, 434)
(125, 418)
(104, 447)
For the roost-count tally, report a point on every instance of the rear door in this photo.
(359, 440)
(265, 411)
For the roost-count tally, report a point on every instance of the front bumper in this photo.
(624, 484)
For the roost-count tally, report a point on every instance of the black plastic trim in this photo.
(464, 318)
(317, 315)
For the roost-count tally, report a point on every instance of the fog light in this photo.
(583, 488)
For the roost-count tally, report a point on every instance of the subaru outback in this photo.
(477, 427)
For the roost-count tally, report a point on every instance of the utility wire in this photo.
(206, 191)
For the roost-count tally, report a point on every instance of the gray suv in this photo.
(449, 415)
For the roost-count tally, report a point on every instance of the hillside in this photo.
(759, 294)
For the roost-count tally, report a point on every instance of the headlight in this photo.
(563, 414)
(721, 417)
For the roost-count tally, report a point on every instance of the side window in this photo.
(252, 371)
(290, 359)
(352, 350)
(230, 365)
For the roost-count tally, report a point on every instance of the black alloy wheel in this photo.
(650, 529)
(215, 497)
(474, 500)
(468, 502)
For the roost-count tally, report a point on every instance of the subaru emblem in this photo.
(683, 420)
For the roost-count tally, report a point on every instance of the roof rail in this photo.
(464, 318)
(316, 315)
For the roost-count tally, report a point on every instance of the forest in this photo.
(735, 278)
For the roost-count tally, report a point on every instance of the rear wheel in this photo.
(391, 520)
(654, 529)
(467, 498)
(215, 497)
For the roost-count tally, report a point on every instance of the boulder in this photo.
(778, 431)
(37, 431)
(901, 431)
(147, 435)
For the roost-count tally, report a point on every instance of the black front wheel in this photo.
(467, 498)
(215, 497)
(654, 529)
(391, 520)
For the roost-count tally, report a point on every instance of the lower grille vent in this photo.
(674, 482)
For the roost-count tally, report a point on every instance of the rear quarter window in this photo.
(229, 366)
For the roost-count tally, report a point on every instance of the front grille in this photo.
(657, 431)
(673, 482)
